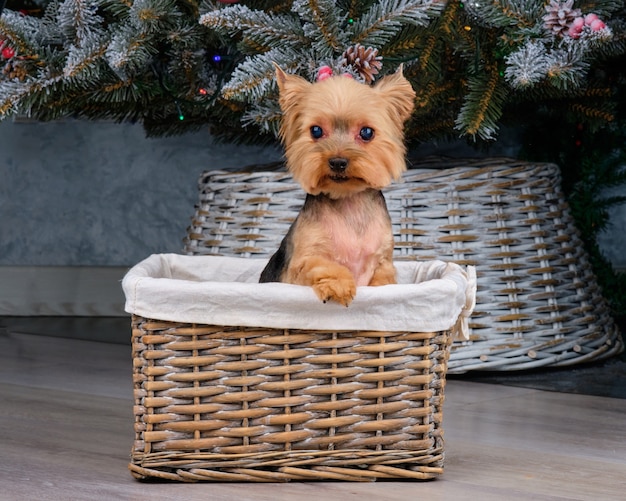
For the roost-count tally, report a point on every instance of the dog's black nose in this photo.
(338, 164)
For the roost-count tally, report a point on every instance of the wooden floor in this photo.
(66, 433)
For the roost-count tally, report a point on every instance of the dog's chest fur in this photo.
(353, 231)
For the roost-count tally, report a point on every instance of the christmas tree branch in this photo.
(449, 17)
(19, 30)
(260, 31)
(253, 78)
(427, 52)
(426, 95)
(592, 112)
(386, 18)
(522, 14)
(14, 94)
(323, 25)
(483, 105)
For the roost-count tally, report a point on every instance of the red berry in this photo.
(8, 52)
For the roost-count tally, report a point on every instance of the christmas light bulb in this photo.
(181, 117)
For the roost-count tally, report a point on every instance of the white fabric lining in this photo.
(430, 296)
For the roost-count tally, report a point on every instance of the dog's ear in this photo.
(290, 86)
(399, 93)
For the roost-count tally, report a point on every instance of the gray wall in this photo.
(613, 240)
(102, 194)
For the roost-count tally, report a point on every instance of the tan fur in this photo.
(343, 239)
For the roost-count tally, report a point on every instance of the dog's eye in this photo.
(316, 132)
(366, 133)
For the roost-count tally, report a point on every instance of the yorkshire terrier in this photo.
(344, 142)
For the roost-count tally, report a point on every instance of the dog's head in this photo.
(341, 136)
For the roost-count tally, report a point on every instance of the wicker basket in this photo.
(232, 403)
(538, 302)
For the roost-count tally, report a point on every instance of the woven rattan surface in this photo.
(254, 404)
(538, 302)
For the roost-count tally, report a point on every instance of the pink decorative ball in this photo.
(576, 28)
(597, 25)
(323, 73)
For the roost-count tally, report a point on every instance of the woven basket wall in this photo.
(538, 302)
(219, 403)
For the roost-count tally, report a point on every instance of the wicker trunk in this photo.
(222, 402)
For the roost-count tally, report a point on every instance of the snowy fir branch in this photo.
(151, 17)
(254, 77)
(173, 64)
(520, 14)
(528, 65)
(79, 21)
(260, 31)
(385, 19)
(23, 33)
(566, 69)
(82, 61)
(264, 116)
(127, 52)
(323, 25)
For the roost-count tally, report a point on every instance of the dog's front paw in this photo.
(385, 274)
(339, 289)
(331, 281)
